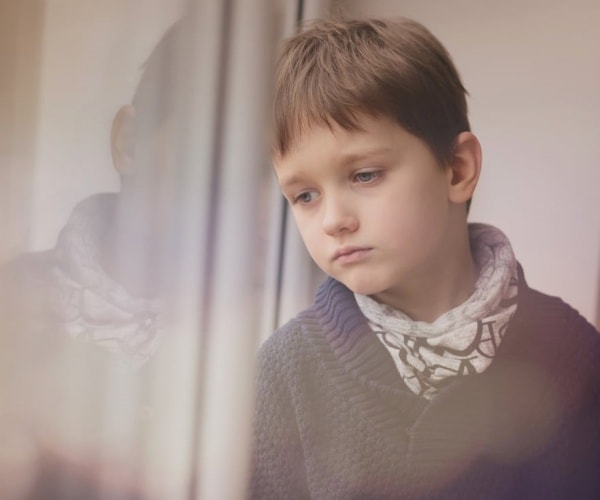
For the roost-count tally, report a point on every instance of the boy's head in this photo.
(374, 154)
(337, 70)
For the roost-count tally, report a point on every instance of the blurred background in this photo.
(165, 414)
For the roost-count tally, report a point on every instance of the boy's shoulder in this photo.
(536, 306)
(548, 333)
(333, 309)
(287, 342)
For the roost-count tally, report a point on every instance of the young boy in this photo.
(426, 367)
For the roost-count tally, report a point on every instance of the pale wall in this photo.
(532, 69)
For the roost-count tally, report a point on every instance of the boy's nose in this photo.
(339, 216)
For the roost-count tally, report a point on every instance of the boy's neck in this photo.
(437, 291)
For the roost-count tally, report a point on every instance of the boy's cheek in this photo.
(316, 248)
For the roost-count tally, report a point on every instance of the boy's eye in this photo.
(305, 197)
(367, 176)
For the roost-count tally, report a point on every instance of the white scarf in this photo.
(463, 340)
(91, 306)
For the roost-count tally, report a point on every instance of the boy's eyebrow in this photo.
(344, 159)
(287, 181)
(352, 157)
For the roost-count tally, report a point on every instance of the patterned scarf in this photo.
(463, 340)
(92, 307)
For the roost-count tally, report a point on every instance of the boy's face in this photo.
(372, 206)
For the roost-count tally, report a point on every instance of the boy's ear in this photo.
(464, 167)
(122, 140)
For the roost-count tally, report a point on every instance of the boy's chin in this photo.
(359, 286)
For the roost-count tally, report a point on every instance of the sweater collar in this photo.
(351, 338)
(352, 341)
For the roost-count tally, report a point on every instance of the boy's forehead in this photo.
(364, 125)
(372, 136)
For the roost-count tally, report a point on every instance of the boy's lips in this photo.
(347, 255)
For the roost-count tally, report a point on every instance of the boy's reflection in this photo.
(86, 314)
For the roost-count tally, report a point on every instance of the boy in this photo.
(426, 367)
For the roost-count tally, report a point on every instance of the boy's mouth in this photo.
(346, 255)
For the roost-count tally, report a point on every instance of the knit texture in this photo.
(334, 420)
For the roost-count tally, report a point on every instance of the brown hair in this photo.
(336, 70)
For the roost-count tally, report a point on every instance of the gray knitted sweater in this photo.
(335, 421)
